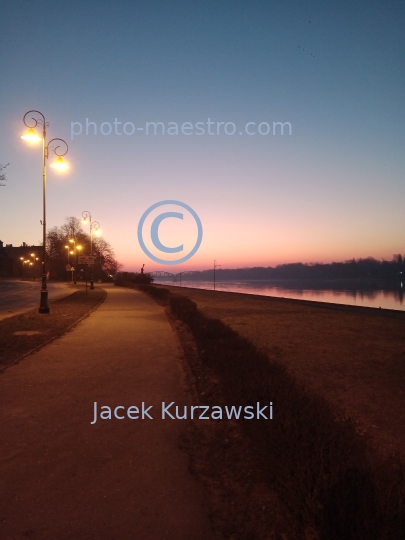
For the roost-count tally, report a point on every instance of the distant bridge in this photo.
(159, 273)
(175, 277)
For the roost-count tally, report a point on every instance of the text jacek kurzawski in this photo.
(171, 411)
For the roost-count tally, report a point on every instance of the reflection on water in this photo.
(347, 293)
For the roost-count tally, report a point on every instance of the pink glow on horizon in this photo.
(131, 265)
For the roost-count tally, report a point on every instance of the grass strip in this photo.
(322, 468)
(42, 328)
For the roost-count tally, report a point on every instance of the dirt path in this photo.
(64, 478)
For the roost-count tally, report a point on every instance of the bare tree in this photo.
(59, 237)
(112, 266)
(2, 174)
(106, 255)
(54, 243)
(72, 227)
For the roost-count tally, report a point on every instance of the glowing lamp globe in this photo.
(59, 164)
(31, 136)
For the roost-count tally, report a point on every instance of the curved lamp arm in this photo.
(37, 122)
(55, 148)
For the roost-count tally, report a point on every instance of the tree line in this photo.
(356, 269)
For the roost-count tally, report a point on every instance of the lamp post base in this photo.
(43, 306)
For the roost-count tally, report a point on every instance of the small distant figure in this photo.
(142, 269)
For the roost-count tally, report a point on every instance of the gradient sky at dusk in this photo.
(332, 190)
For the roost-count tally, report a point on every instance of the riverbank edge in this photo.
(385, 312)
(321, 467)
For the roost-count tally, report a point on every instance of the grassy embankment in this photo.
(319, 477)
(25, 332)
(353, 357)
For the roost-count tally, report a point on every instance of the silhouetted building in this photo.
(23, 261)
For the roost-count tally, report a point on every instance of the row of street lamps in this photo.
(73, 252)
(29, 262)
(86, 217)
(59, 164)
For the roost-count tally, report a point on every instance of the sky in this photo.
(329, 188)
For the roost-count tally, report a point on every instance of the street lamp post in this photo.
(60, 165)
(33, 263)
(26, 262)
(215, 267)
(71, 267)
(75, 249)
(67, 265)
(96, 225)
(36, 259)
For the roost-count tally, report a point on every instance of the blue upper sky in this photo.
(331, 190)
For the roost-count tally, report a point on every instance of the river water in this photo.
(349, 293)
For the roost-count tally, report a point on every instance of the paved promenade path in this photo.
(62, 478)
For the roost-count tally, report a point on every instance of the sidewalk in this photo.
(62, 478)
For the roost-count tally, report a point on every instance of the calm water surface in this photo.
(338, 293)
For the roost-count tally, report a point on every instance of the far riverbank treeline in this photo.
(354, 269)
